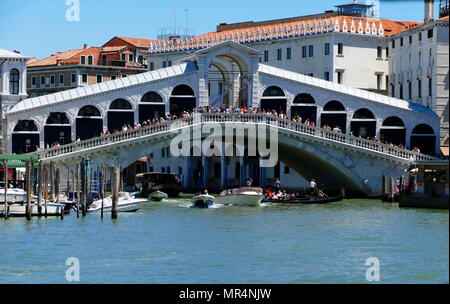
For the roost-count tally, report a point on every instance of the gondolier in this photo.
(313, 187)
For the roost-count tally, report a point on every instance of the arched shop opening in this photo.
(151, 106)
(57, 129)
(89, 123)
(305, 107)
(274, 99)
(423, 137)
(364, 124)
(25, 137)
(120, 113)
(393, 131)
(182, 99)
(334, 115)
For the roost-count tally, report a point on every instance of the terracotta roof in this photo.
(139, 42)
(113, 48)
(52, 60)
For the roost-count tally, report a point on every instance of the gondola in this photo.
(307, 201)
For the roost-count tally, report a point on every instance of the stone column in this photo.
(242, 163)
(205, 171)
(262, 174)
(224, 172)
(203, 98)
(253, 85)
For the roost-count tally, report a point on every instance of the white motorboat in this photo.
(13, 195)
(158, 196)
(202, 201)
(19, 209)
(126, 203)
(250, 197)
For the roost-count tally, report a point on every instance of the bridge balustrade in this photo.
(233, 118)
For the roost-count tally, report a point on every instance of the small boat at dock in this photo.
(203, 201)
(19, 209)
(126, 203)
(158, 196)
(307, 201)
(246, 196)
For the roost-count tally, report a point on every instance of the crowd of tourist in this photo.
(236, 110)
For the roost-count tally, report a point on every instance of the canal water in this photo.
(171, 243)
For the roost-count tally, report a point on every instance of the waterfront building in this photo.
(419, 67)
(119, 57)
(13, 71)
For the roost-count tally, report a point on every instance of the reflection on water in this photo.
(168, 242)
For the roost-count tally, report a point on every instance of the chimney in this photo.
(85, 46)
(429, 10)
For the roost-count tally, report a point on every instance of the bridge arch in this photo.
(151, 106)
(25, 137)
(363, 124)
(120, 113)
(393, 131)
(58, 129)
(89, 122)
(334, 115)
(424, 138)
(182, 99)
(274, 99)
(304, 105)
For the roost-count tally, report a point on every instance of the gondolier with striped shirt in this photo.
(313, 187)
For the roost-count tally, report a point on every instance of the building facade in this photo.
(419, 68)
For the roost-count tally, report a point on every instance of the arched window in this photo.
(424, 138)
(423, 129)
(430, 58)
(182, 99)
(14, 82)
(89, 111)
(152, 97)
(25, 137)
(393, 121)
(120, 104)
(183, 90)
(26, 126)
(304, 98)
(363, 114)
(57, 119)
(273, 91)
(333, 106)
(420, 59)
(393, 131)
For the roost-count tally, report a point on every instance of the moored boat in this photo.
(158, 196)
(246, 196)
(19, 209)
(126, 203)
(312, 200)
(203, 201)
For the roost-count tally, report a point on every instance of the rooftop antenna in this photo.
(186, 25)
(174, 12)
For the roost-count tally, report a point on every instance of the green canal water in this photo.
(171, 243)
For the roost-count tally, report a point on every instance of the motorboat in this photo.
(68, 204)
(19, 209)
(158, 196)
(246, 196)
(126, 203)
(13, 195)
(203, 201)
(310, 200)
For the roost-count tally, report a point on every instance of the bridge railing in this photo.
(228, 117)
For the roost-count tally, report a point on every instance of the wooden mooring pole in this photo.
(102, 188)
(5, 170)
(29, 187)
(115, 178)
(46, 176)
(84, 187)
(40, 176)
(77, 188)
(57, 189)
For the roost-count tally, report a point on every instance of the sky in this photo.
(39, 28)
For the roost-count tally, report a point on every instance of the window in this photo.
(401, 91)
(430, 87)
(99, 78)
(430, 33)
(169, 63)
(61, 79)
(104, 59)
(339, 77)
(163, 152)
(410, 39)
(163, 170)
(152, 66)
(220, 91)
(289, 54)
(151, 169)
(209, 88)
(90, 60)
(393, 44)
(386, 85)
(379, 52)
(33, 80)
(420, 36)
(83, 59)
(164, 64)
(141, 59)
(387, 52)
(84, 78)
(326, 76)
(130, 57)
(279, 54)
(113, 77)
(74, 78)
(401, 41)
(304, 51)
(310, 74)
(266, 56)
(52, 79)
(168, 170)
(378, 82)
(340, 49)
(409, 90)
(14, 82)
(286, 170)
(393, 90)
(42, 81)
(123, 57)
(311, 51)
(327, 49)
(419, 88)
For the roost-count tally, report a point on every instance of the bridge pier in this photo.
(224, 172)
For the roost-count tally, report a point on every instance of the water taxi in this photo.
(158, 196)
(126, 203)
(246, 196)
(203, 201)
